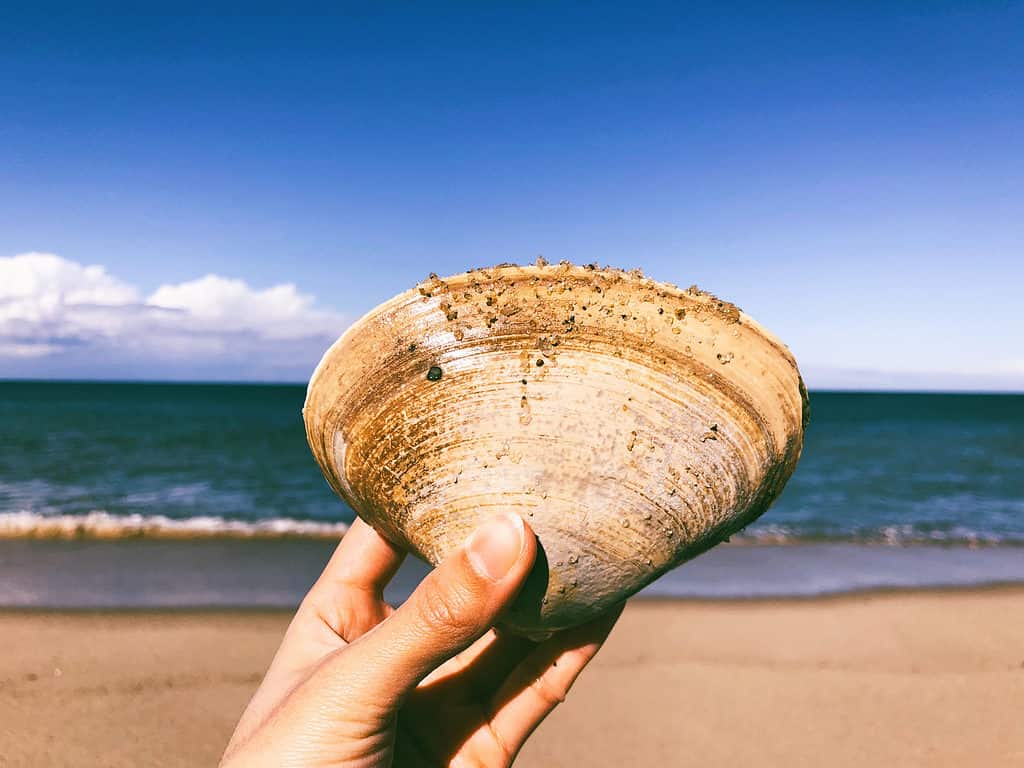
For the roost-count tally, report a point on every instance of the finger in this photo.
(495, 662)
(363, 560)
(482, 667)
(457, 665)
(453, 606)
(543, 680)
(345, 602)
(349, 595)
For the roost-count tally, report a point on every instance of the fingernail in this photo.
(496, 546)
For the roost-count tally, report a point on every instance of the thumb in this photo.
(453, 606)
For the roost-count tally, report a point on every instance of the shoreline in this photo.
(912, 678)
(1010, 588)
(1016, 586)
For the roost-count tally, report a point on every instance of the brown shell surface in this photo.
(633, 424)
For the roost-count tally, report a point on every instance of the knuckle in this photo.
(445, 610)
(548, 691)
(506, 753)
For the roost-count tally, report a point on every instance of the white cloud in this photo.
(58, 317)
(49, 278)
(220, 303)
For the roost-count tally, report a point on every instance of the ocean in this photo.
(121, 494)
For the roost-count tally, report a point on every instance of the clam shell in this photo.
(633, 424)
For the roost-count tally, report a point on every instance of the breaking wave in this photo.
(103, 525)
(889, 535)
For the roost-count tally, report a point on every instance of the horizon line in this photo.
(303, 383)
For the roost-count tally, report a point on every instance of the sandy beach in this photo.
(908, 679)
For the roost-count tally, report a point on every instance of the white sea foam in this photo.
(890, 535)
(103, 525)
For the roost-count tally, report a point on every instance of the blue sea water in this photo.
(129, 494)
(169, 459)
(905, 468)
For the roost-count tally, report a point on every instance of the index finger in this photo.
(364, 560)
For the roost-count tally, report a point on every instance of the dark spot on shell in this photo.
(412, 347)
(540, 363)
(434, 374)
(524, 381)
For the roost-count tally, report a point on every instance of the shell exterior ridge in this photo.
(632, 423)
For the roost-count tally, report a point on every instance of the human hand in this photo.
(357, 683)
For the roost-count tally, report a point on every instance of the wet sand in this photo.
(276, 573)
(908, 679)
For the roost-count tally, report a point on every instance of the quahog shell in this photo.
(633, 424)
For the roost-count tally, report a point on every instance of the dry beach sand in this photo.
(909, 679)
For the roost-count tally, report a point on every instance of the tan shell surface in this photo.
(631, 423)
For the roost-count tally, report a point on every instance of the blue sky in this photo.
(851, 175)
